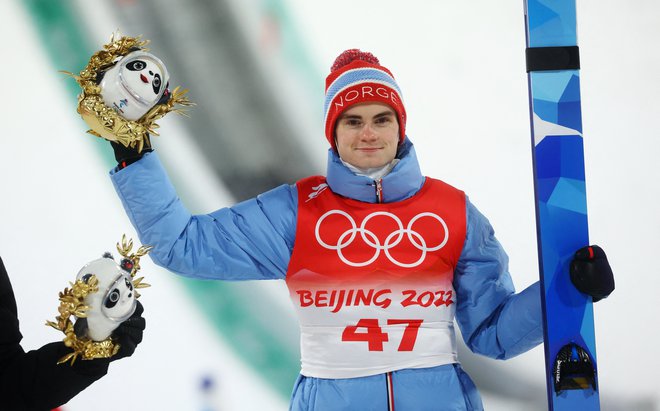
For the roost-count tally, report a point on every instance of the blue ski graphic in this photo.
(561, 205)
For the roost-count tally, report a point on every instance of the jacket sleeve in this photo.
(33, 380)
(494, 320)
(251, 240)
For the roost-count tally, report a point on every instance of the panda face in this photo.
(134, 84)
(144, 77)
(115, 299)
(119, 300)
(114, 296)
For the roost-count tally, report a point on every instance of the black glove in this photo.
(128, 155)
(591, 273)
(129, 333)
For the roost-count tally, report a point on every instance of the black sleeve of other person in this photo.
(33, 380)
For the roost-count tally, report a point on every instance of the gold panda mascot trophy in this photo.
(124, 90)
(103, 296)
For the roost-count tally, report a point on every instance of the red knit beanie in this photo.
(357, 77)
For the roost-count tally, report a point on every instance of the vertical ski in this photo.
(561, 206)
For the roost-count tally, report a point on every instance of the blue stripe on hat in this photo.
(356, 76)
(361, 81)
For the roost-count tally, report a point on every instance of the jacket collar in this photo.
(402, 182)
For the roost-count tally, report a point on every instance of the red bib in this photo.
(372, 283)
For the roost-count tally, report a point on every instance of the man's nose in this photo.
(368, 132)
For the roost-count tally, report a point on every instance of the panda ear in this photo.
(101, 73)
(108, 254)
(166, 95)
(86, 278)
(80, 327)
(127, 264)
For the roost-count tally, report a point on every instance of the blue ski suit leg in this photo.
(412, 390)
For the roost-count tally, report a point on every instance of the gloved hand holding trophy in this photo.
(103, 299)
(125, 89)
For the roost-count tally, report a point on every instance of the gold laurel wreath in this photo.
(72, 302)
(103, 120)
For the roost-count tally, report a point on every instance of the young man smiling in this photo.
(379, 259)
(367, 136)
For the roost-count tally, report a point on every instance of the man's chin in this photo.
(371, 164)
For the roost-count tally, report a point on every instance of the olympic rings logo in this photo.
(391, 241)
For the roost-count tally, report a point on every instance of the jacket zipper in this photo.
(379, 190)
(388, 376)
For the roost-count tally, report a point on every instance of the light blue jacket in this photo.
(253, 240)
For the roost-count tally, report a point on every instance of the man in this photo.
(34, 381)
(379, 260)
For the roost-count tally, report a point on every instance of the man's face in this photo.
(367, 135)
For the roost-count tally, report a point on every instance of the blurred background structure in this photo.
(256, 70)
